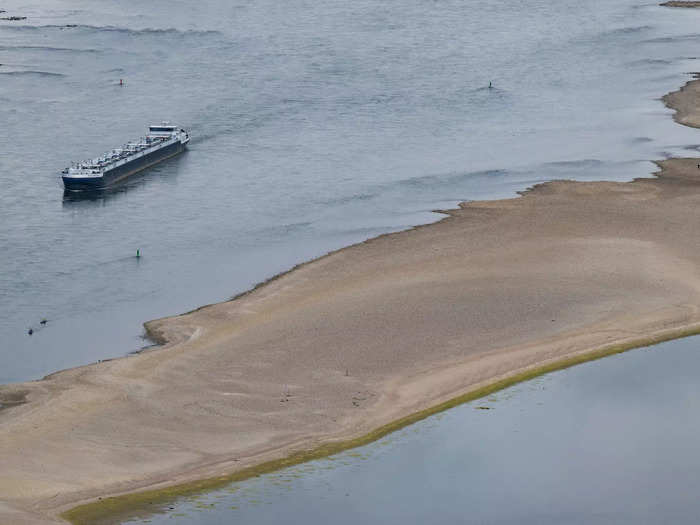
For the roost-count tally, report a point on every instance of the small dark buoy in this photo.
(121, 82)
(138, 253)
(490, 85)
(30, 331)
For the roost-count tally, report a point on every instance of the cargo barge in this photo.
(162, 141)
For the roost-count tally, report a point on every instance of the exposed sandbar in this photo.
(365, 336)
(686, 103)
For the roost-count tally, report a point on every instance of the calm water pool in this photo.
(607, 442)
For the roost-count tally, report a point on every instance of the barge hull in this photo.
(119, 173)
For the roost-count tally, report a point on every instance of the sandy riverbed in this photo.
(364, 336)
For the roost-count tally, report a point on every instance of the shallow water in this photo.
(315, 125)
(607, 442)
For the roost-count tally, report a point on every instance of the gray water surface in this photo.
(315, 125)
(613, 441)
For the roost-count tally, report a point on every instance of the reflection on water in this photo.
(607, 442)
(167, 169)
(99, 196)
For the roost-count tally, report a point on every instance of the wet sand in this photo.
(365, 336)
(686, 103)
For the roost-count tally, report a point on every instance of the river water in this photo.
(315, 124)
(608, 442)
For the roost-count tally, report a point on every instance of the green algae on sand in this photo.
(113, 510)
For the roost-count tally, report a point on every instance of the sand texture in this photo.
(364, 336)
(686, 103)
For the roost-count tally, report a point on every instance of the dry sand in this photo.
(363, 336)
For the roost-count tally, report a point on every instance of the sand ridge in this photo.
(363, 336)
